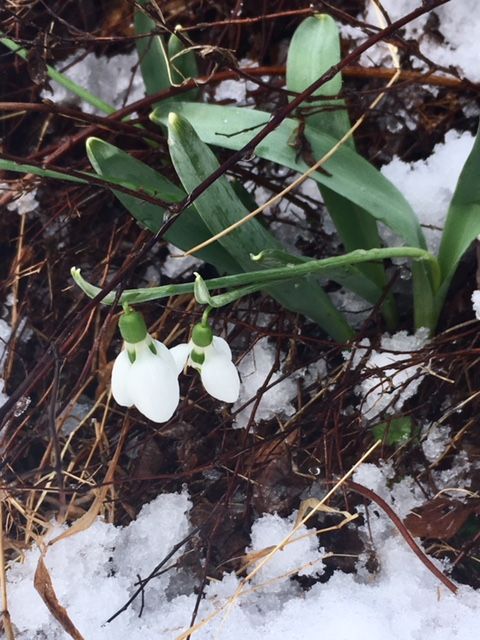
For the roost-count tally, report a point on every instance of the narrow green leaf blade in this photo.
(351, 175)
(220, 207)
(24, 167)
(151, 53)
(315, 48)
(186, 232)
(183, 65)
(62, 79)
(462, 225)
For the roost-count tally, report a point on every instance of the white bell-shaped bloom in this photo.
(214, 362)
(150, 382)
(144, 373)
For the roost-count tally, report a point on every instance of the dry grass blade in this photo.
(43, 585)
(7, 623)
(242, 586)
(88, 518)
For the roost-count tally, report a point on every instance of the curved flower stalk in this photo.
(211, 356)
(144, 373)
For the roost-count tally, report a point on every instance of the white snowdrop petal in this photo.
(154, 387)
(221, 346)
(220, 377)
(120, 379)
(180, 353)
(165, 353)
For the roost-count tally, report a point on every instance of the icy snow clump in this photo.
(391, 384)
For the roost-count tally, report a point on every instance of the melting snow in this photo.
(402, 601)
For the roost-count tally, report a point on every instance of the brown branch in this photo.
(407, 536)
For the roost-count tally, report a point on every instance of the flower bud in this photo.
(202, 335)
(132, 326)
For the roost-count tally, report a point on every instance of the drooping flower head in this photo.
(144, 373)
(212, 357)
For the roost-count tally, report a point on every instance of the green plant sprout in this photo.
(250, 258)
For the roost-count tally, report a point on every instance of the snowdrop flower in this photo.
(211, 356)
(144, 373)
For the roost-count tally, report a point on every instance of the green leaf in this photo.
(183, 65)
(219, 207)
(21, 167)
(463, 221)
(351, 175)
(186, 232)
(394, 432)
(163, 66)
(315, 48)
(81, 177)
(152, 54)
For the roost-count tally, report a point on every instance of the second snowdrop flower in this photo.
(144, 373)
(211, 356)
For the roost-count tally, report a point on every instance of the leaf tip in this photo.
(173, 119)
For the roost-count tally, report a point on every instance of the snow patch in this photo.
(458, 24)
(402, 601)
(5, 334)
(429, 184)
(476, 303)
(254, 369)
(390, 384)
(110, 79)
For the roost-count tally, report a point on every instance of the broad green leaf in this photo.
(394, 432)
(186, 232)
(219, 207)
(315, 48)
(163, 65)
(351, 175)
(463, 220)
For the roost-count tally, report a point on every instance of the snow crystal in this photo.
(402, 601)
(254, 369)
(25, 203)
(300, 555)
(458, 24)
(391, 384)
(355, 308)
(236, 90)
(175, 265)
(428, 185)
(476, 303)
(107, 78)
(436, 440)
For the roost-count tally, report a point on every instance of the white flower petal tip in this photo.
(150, 382)
(120, 373)
(220, 378)
(180, 353)
(218, 373)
